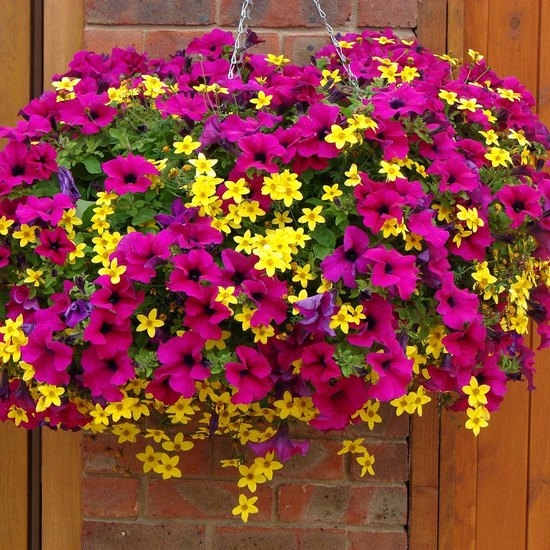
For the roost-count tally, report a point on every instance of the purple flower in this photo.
(77, 311)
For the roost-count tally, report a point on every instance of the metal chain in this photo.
(242, 28)
(240, 39)
(335, 42)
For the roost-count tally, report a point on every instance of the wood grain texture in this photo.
(424, 479)
(63, 35)
(431, 24)
(15, 21)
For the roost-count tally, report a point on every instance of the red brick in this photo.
(114, 536)
(103, 40)
(299, 48)
(321, 462)
(110, 497)
(391, 425)
(244, 537)
(379, 540)
(387, 13)
(208, 499)
(322, 539)
(150, 12)
(161, 43)
(279, 14)
(377, 505)
(391, 462)
(308, 502)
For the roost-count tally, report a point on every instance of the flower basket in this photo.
(287, 244)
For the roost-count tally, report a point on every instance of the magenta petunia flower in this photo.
(519, 202)
(259, 151)
(394, 372)
(250, 376)
(181, 358)
(46, 209)
(191, 271)
(318, 364)
(121, 299)
(203, 314)
(378, 326)
(268, 297)
(108, 330)
(105, 371)
(349, 259)
(49, 357)
(456, 306)
(128, 174)
(54, 245)
(464, 345)
(338, 402)
(89, 111)
(393, 270)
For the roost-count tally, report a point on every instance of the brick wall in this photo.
(315, 502)
(318, 502)
(167, 26)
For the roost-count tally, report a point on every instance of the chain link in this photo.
(240, 39)
(242, 29)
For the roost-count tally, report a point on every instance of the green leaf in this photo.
(92, 165)
(324, 236)
(144, 215)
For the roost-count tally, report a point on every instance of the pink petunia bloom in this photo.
(394, 371)
(519, 202)
(203, 314)
(337, 402)
(181, 357)
(121, 299)
(456, 306)
(128, 174)
(5, 253)
(378, 325)
(89, 111)
(376, 206)
(49, 357)
(268, 297)
(318, 364)
(142, 253)
(250, 376)
(237, 269)
(105, 372)
(259, 151)
(47, 209)
(191, 270)
(393, 270)
(474, 246)
(349, 259)
(106, 328)
(54, 245)
(464, 345)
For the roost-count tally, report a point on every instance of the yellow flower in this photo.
(177, 444)
(5, 224)
(149, 323)
(250, 477)
(352, 446)
(278, 60)
(203, 165)
(498, 157)
(150, 459)
(341, 136)
(262, 100)
(113, 270)
(331, 192)
(25, 234)
(465, 104)
(477, 419)
(392, 170)
(476, 393)
(367, 462)
(51, 395)
(311, 216)
(34, 277)
(186, 146)
(245, 507)
(167, 466)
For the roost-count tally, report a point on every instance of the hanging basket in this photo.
(245, 244)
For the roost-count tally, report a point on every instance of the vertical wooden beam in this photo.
(15, 63)
(63, 35)
(538, 524)
(431, 25)
(61, 456)
(455, 27)
(424, 479)
(476, 26)
(457, 484)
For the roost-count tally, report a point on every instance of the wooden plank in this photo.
(61, 489)
(61, 455)
(63, 35)
(455, 27)
(424, 479)
(432, 18)
(513, 47)
(476, 26)
(13, 488)
(457, 484)
(543, 92)
(15, 61)
(502, 470)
